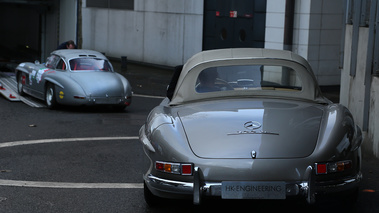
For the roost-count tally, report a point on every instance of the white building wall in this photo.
(325, 33)
(373, 128)
(353, 90)
(274, 34)
(165, 32)
(67, 20)
(303, 42)
(317, 34)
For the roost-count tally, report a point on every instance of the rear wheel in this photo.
(20, 84)
(50, 96)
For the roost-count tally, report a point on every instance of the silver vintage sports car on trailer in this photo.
(249, 124)
(74, 77)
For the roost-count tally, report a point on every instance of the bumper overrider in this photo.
(199, 188)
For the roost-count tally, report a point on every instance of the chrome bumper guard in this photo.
(198, 188)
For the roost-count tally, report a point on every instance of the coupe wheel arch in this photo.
(50, 96)
(19, 73)
(52, 81)
(21, 70)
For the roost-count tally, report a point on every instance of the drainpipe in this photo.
(370, 64)
(288, 35)
(79, 24)
(288, 24)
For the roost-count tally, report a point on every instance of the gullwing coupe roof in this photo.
(271, 66)
(76, 53)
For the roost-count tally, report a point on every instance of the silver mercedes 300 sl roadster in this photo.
(74, 77)
(249, 124)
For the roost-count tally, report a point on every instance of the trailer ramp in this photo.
(8, 88)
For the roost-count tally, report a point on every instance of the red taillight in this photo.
(159, 166)
(321, 168)
(332, 167)
(174, 168)
(348, 165)
(186, 169)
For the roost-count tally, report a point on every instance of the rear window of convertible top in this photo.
(248, 77)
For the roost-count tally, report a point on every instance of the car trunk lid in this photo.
(252, 129)
(98, 83)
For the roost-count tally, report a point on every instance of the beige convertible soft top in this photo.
(185, 92)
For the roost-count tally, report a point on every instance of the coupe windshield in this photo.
(248, 77)
(83, 64)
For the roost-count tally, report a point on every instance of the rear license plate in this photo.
(107, 100)
(253, 190)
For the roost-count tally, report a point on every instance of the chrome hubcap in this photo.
(19, 85)
(49, 96)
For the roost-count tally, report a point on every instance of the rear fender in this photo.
(125, 82)
(21, 70)
(65, 89)
(338, 134)
(53, 81)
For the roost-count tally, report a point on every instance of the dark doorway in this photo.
(20, 25)
(234, 23)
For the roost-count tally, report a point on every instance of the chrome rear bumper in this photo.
(198, 189)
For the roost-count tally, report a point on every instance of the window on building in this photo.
(112, 4)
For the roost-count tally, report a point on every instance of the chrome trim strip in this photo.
(169, 185)
(340, 185)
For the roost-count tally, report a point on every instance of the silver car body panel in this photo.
(277, 122)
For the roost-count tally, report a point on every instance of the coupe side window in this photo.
(61, 65)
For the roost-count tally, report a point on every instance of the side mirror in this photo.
(36, 62)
